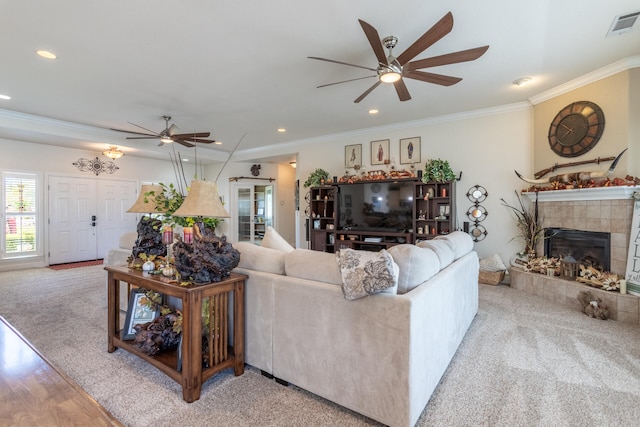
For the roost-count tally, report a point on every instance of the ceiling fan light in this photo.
(389, 76)
(166, 140)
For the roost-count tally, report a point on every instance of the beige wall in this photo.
(615, 97)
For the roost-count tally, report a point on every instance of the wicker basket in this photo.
(491, 277)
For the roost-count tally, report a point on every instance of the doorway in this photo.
(252, 211)
(87, 217)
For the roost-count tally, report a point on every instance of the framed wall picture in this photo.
(137, 313)
(379, 151)
(353, 155)
(410, 150)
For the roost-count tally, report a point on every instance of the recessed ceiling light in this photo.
(185, 160)
(523, 81)
(373, 111)
(46, 54)
(282, 130)
(4, 96)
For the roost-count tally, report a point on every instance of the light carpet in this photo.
(524, 362)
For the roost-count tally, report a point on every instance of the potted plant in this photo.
(436, 170)
(316, 178)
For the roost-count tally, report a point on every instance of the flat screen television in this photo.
(376, 206)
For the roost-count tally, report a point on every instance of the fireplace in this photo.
(589, 248)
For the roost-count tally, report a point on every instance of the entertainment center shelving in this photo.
(377, 214)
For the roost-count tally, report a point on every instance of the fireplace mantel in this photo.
(598, 193)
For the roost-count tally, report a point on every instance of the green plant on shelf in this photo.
(436, 170)
(316, 177)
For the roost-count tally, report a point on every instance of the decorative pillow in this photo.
(417, 265)
(492, 263)
(275, 241)
(366, 273)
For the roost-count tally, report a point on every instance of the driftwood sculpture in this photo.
(149, 239)
(158, 335)
(208, 259)
(576, 177)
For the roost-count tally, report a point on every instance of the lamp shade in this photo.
(147, 204)
(202, 200)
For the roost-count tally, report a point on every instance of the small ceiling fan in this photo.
(169, 135)
(393, 70)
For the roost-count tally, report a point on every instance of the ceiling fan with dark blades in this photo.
(394, 70)
(169, 134)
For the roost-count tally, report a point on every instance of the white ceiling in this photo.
(236, 68)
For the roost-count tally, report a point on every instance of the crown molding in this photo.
(594, 76)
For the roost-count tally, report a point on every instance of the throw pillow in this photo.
(366, 273)
(493, 263)
(275, 241)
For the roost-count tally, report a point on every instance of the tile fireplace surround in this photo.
(607, 209)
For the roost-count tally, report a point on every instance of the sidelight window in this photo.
(21, 214)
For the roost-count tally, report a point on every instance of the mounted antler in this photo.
(575, 176)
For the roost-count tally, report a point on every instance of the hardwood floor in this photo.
(35, 393)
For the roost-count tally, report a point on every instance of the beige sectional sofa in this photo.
(381, 355)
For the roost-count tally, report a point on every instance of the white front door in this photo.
(114, 198)
(72, 215)
(87, 217)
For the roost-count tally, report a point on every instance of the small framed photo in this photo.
(410, 150)
(379, 152)
(137, 313)
(353, 155)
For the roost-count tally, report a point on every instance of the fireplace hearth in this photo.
(589, 248)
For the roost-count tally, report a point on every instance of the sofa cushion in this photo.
(416, 265)
(273, 240)
(442, 250)
(366, 273)
(460, 242)
(312, 265)
(253, 257)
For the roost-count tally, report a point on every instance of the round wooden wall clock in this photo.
(576, 129)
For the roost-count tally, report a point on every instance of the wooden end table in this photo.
(220, 355)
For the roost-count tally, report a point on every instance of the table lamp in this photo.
(208, 258)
